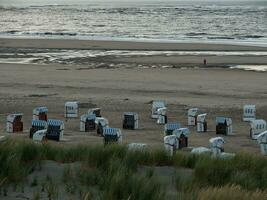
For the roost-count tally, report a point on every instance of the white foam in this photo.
(259, 68)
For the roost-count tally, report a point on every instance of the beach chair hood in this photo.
(181, 131)
(217, 142)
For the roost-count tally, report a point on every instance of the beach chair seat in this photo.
(87, 122)
(90, 125)
(55, 129)
(130, 120)
(53, 133)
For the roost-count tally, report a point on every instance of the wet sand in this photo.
(20, 48)
(122, 45)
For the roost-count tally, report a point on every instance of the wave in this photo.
(19, 7)
(21, 33)
(221, 38)
(196, 34)
(252, 36)
(10, 32)
(48, 5)
(57, 33)
(258, 68)
(9, 8)
(233, 37)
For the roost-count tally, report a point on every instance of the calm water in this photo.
(207, 21)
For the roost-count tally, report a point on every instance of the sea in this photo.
(210, 21)
(181, 20)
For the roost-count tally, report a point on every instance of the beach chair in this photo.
(249, 113)
(192, 116)
(130, 120)
(155, 106)
(14, 123)
(171, 144)
(71, 109)
(224, 126)
(182, 136)
(256, 127)
(112, 135)
(37, 125)
(202, 123)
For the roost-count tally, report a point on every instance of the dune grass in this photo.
(231, 192)
(111, 172)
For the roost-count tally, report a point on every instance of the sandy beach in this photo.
(128, 87)
(219, 92)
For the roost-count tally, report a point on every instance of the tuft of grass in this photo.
(67, 174)
(232, 192)
(43, 183)
(70, 187)
(87, 196)
(36, 195)
(5, 191)
(52, 190)
(160, 158)
(183, 159)
(34, 182)
(247, 171)
(89, 176)
(214, 172)
(122, 182)
(149, 172)
(183, 181)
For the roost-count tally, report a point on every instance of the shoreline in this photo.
(108, 59)
(252, 43)
(122, 45)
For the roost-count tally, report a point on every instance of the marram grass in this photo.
(230, 192)
(111, 172)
